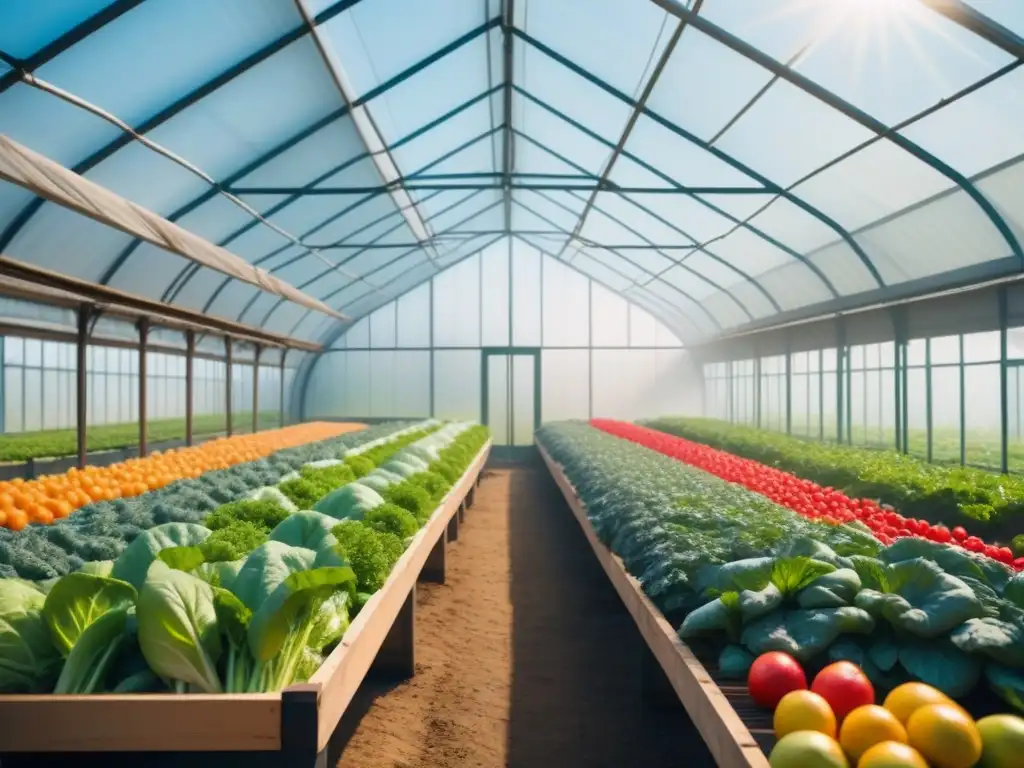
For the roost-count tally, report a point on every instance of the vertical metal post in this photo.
(590, 349)
(229, 364)
(3, 385)
(963, 406)
(81, 400)
(821, 394)
(840, 347)
(143, 386)
(256, 390)
(789, 390)
(284, 353)
(431, 382)
(905, 389)
(757, 389)
(928, 396)
(1004, 389)
(897, 381)
(190, 384)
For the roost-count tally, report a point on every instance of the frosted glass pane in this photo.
(383, 324)
(494, 309)
(565, 384)
(414, 318)
(357, 384)
(382, 383)
(499, 396)
(523, 400)
(618, 382)
(457, 305)
(358, 335)
(412, 384)
(643, 330)
(608, 318)
(526, 321)
(457, 384)
(566, 304)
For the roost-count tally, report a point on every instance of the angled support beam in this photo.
(693, 243)
(771, 186)
(48, 53)
(849, 110)
(508, 75)
(983, 26)
(630, 124)
(601, 186)
(178, 106)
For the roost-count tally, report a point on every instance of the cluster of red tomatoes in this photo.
(803, 496)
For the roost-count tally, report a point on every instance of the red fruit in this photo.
(1005, 555)
(942, 534)
(1019, 563)
(845, 687)
(959, 533)
(974, 544)
(772, 676)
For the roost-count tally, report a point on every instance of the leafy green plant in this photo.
(360, 465)
(391, 518)
(264, 513)
(412, 498)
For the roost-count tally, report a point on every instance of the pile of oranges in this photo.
(51, 497)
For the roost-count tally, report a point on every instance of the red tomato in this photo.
(772, 676)
(845, 687)
(959, 533)
(942, 534)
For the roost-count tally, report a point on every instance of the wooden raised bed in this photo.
(290, 729)
(727, 736)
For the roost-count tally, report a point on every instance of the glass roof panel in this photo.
(741, 207)
(788, 133)
(534, 211)
(361, 224)
(792, 225)
(704, 85)
(446, 137)
(549, 133)
(162, 50)
(780, 29)
(897, 58)
(27, 27)
(651, 226)
(150, 271)
(584, 30)
(1009, 13)
(559, 86)
(849, 276)
(301, 164)
(1006, 191)
(373, 48)
(691, 216)
(991, 117)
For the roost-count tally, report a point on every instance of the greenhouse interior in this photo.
(497, 382)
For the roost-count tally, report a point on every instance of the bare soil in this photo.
(525, 657)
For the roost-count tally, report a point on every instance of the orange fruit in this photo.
(869, 725)
(904, 700)
(945, 735)
(892, 754)
(803, 711)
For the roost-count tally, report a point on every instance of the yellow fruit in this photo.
(1002, 740)
(804, 711)
(807, 749)
(892, 754)
(945, 735)
(867, 726)
(905, 699)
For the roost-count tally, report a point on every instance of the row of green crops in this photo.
(249, 602)
(747, 576)
(986, 504)
(101, 531)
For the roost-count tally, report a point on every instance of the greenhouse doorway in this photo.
(510, 398)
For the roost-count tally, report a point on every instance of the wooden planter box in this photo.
(290, 729)
(727, 737)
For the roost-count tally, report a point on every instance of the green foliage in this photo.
(31, 662)
(446, 470)
(983, 502)
(305, 492)
(370, 553)
(349, 502)
(309, 529)
(360, 465)
(263, 513)
(391, 518)
(412, 498)
(232, 542)
(433, 483)
(1017, 545)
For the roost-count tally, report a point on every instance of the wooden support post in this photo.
(190, 381)
(453, 526)
(229, 364)
(284, 353)
(435, 569)
(396, 659)
(655, 687)
(462, 511)
(471, 496)
(81, 390)
(143, 385)
(300, 727)
(256, 390)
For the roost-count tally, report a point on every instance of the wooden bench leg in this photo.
(470, 497)
(462, 511)
(396, 659)
(453, 527)
(656, 689)
(434, 570)
(299, 728)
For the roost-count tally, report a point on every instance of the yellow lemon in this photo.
(867, 726)
(904, 700)
(804, 711)
(945, 735)
(892, 754)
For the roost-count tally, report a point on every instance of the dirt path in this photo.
(525, 657)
